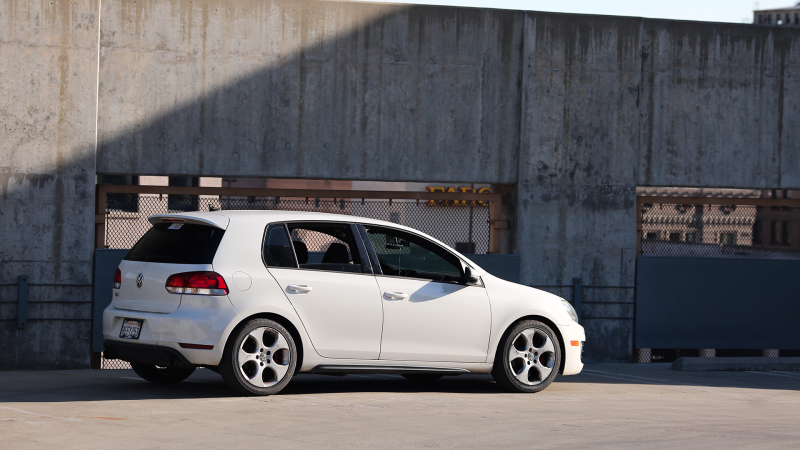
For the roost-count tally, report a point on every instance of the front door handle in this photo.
(299, 288)
(395, 296)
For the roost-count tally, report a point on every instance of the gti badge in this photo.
(139, 280)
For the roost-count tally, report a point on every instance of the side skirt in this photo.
(394, 370)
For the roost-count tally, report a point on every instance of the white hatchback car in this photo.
(259, 296)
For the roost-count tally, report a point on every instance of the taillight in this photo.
(117, 278)
(197, 283)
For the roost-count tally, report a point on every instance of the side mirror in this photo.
(468, 278)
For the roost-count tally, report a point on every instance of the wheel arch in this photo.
(286, 323)
(545, 321)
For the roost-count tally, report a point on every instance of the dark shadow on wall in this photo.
(369, 92)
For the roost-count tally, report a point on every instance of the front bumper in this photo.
(572, 358)
(201, 320)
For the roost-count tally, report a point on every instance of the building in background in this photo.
(789, 16)
(720, 230)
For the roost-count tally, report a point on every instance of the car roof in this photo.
(217, 217)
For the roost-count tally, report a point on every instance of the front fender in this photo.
(511, 302)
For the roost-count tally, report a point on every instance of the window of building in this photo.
(121, 202)
(675, 237)
(727, 238)
(785, 233)
(182, 202)
(776, 233)
(758, 230)
(760, 19)
(796, 19)
(651, 236)
(691, 237)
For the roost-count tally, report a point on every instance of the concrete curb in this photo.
(740, 363)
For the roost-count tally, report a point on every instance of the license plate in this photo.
(131, 329)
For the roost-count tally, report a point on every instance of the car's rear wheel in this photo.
(260, 358)
(527, 358)
(421, 377)
(161, 375)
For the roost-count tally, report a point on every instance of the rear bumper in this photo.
(199, 320)
(145, 354)
(572, 358)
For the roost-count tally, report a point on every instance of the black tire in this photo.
(508, 372)
(161, 375)
(236, 376)
(421, 377)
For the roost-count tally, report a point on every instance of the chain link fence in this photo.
(463, 225)
(114, 364)
(721, 231)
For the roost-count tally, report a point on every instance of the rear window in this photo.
(177, 243)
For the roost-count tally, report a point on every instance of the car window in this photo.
(407, 255)
(177, 243)
(278, 251)
(325, 246)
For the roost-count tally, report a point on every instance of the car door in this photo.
(329, 282)
(429, 314)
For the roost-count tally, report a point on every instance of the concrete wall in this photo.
(565, 114)
(48, 82)
(719, 106)
(284, 88)
(576, 178)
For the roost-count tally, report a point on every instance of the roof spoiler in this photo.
(212, 220)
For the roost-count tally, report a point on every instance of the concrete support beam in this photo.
(48, 68)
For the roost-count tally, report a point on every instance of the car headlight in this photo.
(570, 310)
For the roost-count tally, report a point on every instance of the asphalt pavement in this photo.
(606, 406)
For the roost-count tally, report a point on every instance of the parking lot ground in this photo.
(606, 406)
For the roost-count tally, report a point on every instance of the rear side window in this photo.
(177, 243)
(278, 251)
(325, 246)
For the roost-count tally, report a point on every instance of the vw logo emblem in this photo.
(139, 280)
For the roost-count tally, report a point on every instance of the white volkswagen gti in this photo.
(260, 296)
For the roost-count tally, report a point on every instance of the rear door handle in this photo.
(395, 295)
(299, 288)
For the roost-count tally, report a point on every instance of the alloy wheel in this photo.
(531, 356)
(264, 357)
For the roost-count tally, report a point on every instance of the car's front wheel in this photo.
(161, 375)
(260, 358)
(527, 358)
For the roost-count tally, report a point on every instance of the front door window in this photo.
(403, 254)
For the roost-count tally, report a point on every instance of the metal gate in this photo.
(710, 266)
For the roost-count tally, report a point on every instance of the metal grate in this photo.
(721, 231)
(463, 225)
(671, 354)
(115, 364)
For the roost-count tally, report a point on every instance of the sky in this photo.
(737, 11)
